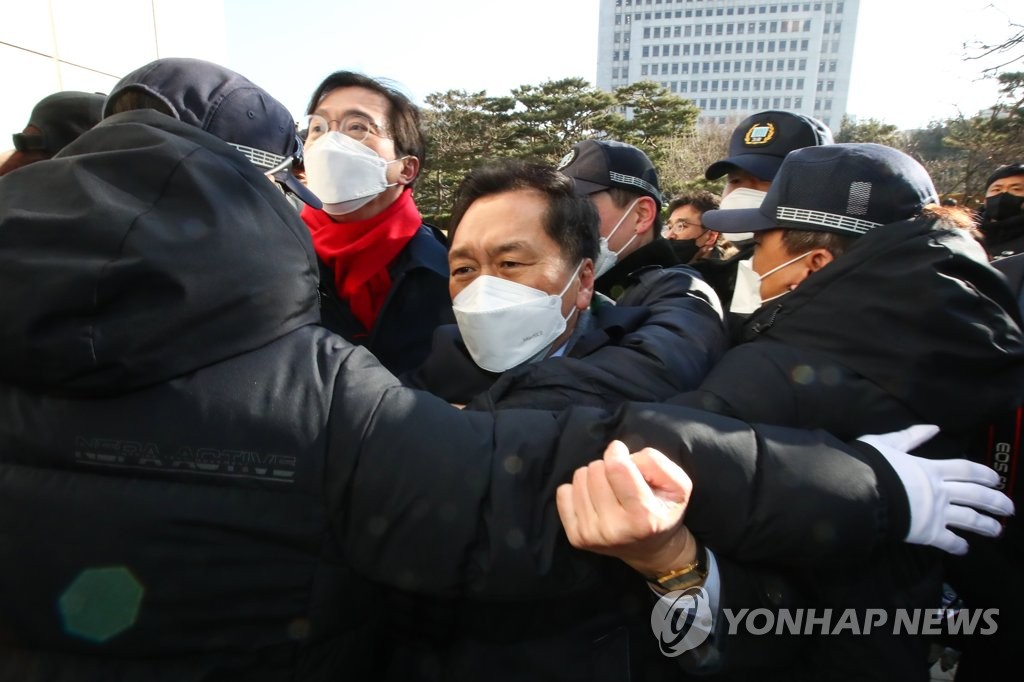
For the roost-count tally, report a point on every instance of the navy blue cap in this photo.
(227, 105)
(59, 119)
(760, 143)
(597, 165)
(842, 188)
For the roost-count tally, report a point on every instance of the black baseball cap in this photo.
(227, 105)
(842, 188)
(760, 143)
(60, 118)
(597, 165)
(1005, 172)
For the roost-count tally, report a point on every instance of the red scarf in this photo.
(359, 253)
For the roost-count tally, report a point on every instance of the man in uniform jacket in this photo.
(876, 313)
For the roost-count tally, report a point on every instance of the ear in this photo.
(712, 239)
(818, 259)
(586, 290)
(646, 210)
(410, 168)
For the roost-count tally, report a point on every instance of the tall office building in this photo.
(733, 57)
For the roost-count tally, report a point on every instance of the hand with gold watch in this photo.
(631, 506)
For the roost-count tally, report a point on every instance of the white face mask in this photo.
(505, 324)
(606, 258)
(746, 297)
(344, 174)
(742, 197)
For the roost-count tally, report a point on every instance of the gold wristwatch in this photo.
(690, 575)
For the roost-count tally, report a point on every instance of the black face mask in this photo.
(684, 249)
(1003, 206)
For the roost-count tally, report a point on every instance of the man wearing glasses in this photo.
(689, 237)
(383, 272)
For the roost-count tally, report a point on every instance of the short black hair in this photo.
(701, 199)
(570, 220)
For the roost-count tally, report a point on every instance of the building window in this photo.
(615, 56)
(664, 69)
(798, 103)
(686, 50)
(646, 51)
(787, 103)
(687, 31)
(675, 50)
(643, 69)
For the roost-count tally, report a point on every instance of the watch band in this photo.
(690, 575)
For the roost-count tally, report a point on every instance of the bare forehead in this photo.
(1008, 181)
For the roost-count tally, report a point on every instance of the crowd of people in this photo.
(262, 422)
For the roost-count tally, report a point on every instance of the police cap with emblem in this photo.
(761, 142)
(847, 189)
(597, 165)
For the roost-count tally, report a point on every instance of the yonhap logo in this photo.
(682, 620)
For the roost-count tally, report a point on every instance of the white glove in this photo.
(943, 493)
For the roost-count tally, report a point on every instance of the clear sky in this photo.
(908, 58)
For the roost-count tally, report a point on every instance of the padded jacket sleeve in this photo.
(429, 498)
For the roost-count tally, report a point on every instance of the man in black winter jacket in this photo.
(875, 314)
(199, 482)
(1002, 222)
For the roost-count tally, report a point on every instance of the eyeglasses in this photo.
(680, 225)
(356, 126)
